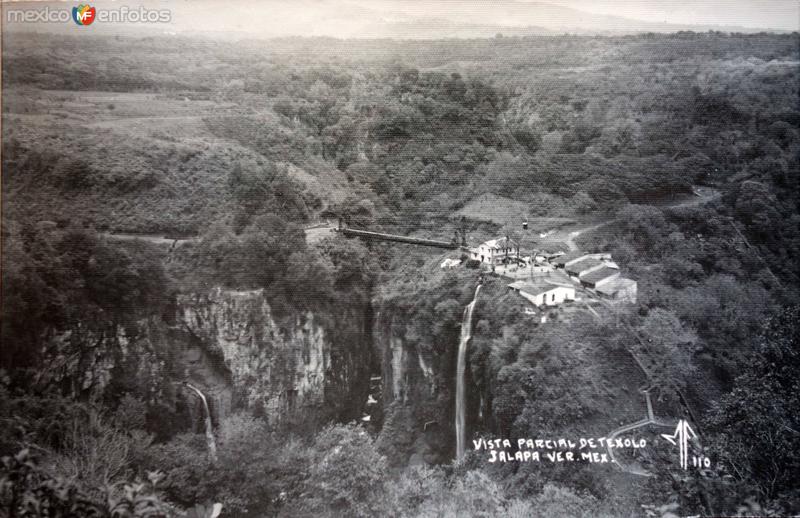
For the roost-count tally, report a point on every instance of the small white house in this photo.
(449, 264)
(543, 292)
(496, 251)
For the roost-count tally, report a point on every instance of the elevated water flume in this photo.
(212, 444)
(466, 334)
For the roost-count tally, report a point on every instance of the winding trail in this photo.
(570, 240)
(156, 239)
(650, 419)
(702, 195)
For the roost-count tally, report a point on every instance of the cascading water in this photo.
(466, 334)
(212, 444)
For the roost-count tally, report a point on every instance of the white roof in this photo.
(503, 242)
(447, 263)
(616, 285)
(539, 286)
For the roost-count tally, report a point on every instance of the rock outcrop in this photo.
(311, 366)
(418, 390)
(308, 365)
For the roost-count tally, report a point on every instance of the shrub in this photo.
(472, 264)
(27, 490)
(348, 475)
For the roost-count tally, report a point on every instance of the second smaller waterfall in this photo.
(212, 443)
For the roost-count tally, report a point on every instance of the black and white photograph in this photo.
(400, 258)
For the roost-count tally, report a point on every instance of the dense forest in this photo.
(238, 148)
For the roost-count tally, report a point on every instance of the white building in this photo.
(544, 292)
(619, 289)
(449, 264)
(496, 251)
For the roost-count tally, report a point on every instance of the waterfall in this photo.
(212, 445)
(466, 334)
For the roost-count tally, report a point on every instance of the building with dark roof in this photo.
(582, 267)
(600, 276)
(562, 260)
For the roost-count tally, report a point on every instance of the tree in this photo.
(357, 212)
(620, 138)
(644, 227)
(756, 426)
(560, 501)
(250, 474)
(27, 490)
(666, 347)
(354, 266)
(348, 474)
(73, 174)
(266, 190)
(264, 248)
(527, 137)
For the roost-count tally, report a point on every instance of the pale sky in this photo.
(323, 16)
(773, 14)
(422, 18)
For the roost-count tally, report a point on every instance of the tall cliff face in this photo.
(85, 361)
(416, 336)
(418, 390)
(408, 373)
(310, 367)
(147, 357)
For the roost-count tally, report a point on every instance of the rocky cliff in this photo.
(311, 367)
(418, 390)
(85, 361)
(416, 336)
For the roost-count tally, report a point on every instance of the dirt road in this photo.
(567, 235)
(156, 239)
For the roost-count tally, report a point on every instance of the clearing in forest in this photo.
(506, 212)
